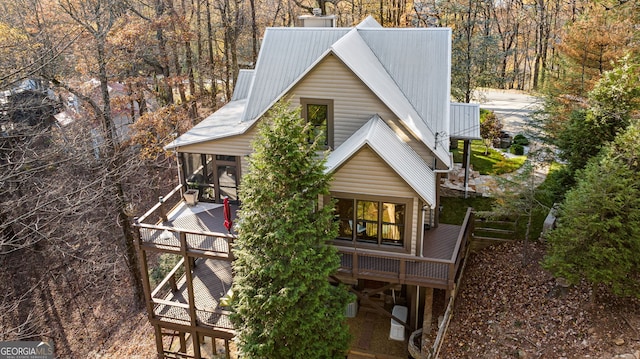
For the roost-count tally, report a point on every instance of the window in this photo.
(371, 222)
(215, 176)
(319, 113)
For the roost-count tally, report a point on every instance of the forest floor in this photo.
(507, 309)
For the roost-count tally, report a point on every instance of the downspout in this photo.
(417, 306)
(424, 209)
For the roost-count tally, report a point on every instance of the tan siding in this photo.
(366, 173)
(231, 146)
(354, 103)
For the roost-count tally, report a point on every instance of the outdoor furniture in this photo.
(397, 330)
(360, 228)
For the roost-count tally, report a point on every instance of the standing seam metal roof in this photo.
(242, 85)
(355, 53)
(286, 55)
(408, 69)
(465, 121)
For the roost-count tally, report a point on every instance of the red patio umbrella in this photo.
(227, 214)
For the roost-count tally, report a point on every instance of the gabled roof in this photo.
(242, 85)
(378, 136)
(408, 69)
(359, 57)
(285, 56)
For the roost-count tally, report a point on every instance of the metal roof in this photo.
(285, 56)
(242, 85)
(357, 55)
(368, 23)
(396, 153)
(419, 61)
(222, 123)
(408, 69)
(465, 121)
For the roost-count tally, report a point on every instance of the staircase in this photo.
(490, 229)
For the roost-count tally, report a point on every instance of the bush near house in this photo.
(517, 149)
(520, 139)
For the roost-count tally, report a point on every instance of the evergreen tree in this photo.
(284, 305)
(612, 103)
(598, 233)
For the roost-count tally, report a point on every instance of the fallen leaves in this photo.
(509, 307)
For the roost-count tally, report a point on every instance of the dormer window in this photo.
(319, 113)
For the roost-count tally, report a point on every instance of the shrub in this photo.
(520, 139)
(517, 149)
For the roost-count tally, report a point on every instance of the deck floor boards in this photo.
(440, 242)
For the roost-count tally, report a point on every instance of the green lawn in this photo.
(492, 164)
(454, 209)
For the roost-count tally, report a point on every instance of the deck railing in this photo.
(169, 306)
(408, 269)
(197, 243)
(165, 204)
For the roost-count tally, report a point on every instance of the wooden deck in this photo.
(440, 242)
(443, 251)
(207, 217)
(211, 281)
(197, 234)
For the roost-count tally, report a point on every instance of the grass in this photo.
(494, 163)
(454, 209)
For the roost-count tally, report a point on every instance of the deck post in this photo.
(195, 337)
(428, 313)
(159, 345)
(466, 159)
(436, 215)
(163, 209)
(189, 276)
(226, 349)
(144, 267)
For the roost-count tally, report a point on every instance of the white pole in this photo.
(417, 305)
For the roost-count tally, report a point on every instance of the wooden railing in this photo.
(408, 269)
(184, 313)
(202, 244)
(165, 204)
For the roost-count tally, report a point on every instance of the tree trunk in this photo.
(193, 111)
(167, 89)
(211, 39)
(199, 46)
(114, 164)
(254, 32)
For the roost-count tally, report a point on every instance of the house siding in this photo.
(353, 102)
(367, 174)
(231, 146)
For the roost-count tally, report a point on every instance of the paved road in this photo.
(513, 108)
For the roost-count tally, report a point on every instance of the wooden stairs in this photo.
(488, 231)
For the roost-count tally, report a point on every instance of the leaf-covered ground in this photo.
(509, 310)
